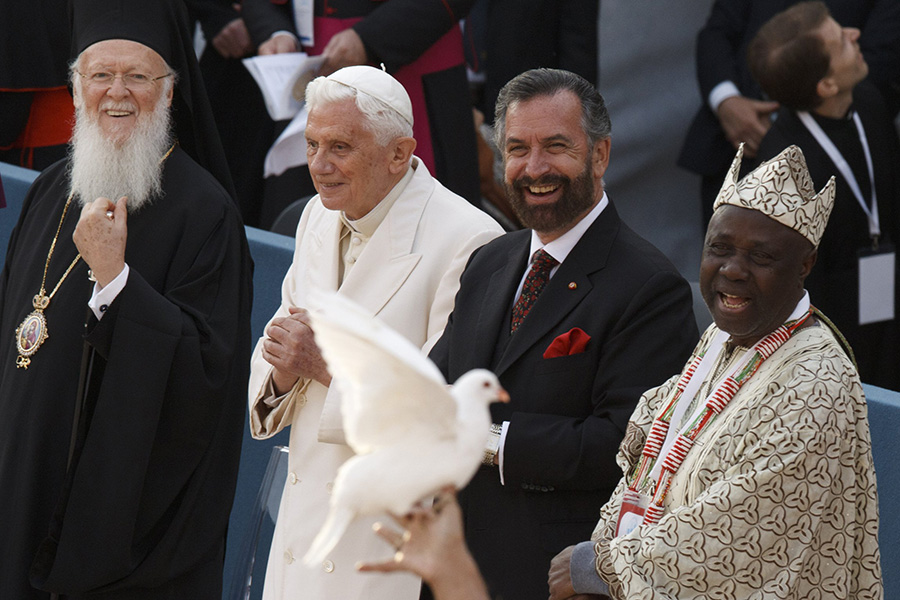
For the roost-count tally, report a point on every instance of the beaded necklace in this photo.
(658, 466)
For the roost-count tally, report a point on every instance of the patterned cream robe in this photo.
(775, 500)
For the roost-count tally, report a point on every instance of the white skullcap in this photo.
(377, 84)
(782, 189)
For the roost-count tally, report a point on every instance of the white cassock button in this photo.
(301, 401)
(328, 487)
(328, 566)
(292, 477)
(288, 557)
(356, 241)
(351, 259)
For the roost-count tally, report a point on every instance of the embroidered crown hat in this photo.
(782, 189)
(377, 84)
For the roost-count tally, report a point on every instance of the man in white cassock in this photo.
(386, 234)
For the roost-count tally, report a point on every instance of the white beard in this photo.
(101, 168)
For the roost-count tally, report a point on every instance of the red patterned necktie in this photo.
(541, 265)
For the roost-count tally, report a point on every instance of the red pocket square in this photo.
(574, 341)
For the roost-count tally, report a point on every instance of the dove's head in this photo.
(481, 384)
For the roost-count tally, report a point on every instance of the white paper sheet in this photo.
(289, 150)
(282, 79)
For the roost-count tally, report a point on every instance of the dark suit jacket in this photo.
(722, 55)
(513, 36)
(567, 414)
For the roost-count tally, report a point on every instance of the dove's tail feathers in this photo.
(335, 525)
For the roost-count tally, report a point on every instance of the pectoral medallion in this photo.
(32, 332)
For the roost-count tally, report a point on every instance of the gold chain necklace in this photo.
(33, 330)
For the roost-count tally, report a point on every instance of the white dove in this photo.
(412, 435)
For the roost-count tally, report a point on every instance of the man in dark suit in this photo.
(733, 110)
(575, 351)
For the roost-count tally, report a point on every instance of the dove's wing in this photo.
(389, 390)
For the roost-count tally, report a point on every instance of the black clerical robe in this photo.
(141, 512)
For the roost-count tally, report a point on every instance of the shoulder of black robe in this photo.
(147, 499)
(164, 26)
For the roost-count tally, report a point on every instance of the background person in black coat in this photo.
(236, 101)
(718, 128)
(420, 44)
(506, 37)
(614, 319)
(806, 61)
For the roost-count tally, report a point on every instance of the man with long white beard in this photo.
(113, 166)
(124, 331)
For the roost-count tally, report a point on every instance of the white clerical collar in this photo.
(561, 246)
(369, 222)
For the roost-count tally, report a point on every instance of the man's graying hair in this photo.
(549, 82)
(383, 121)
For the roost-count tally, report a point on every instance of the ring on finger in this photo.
(109, 215)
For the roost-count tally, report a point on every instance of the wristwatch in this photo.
(492, 446)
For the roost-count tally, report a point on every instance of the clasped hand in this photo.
(290, 347)
(100, 237)
(746, 120)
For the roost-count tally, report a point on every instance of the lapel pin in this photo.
(572, 285)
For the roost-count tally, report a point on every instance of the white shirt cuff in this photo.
(722, 92)
(101, 298)
(505, 428)
(285, 32)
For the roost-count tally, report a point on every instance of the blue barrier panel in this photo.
(16, 182)
(272, 254)
(884, 425)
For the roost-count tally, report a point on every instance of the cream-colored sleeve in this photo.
(269, 413)
(445, 296)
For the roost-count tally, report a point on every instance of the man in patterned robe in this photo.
(769, 490)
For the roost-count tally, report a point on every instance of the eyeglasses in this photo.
(133, 81)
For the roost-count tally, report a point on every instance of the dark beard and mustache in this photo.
(101, 168)
(577, 197)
